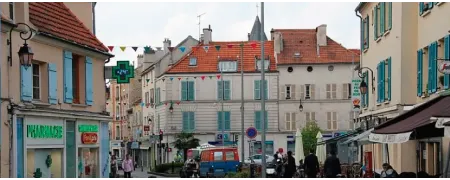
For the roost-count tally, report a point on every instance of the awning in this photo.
(416, 117)
(362, 138)
(335, 139)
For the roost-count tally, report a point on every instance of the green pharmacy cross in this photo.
(123, 72)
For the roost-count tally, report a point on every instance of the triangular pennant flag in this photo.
(171, 78)
(178, 103)
(163, 79)
(134, 48)
(206, 48)
(229, 45)
(123, 48)
(218, 76)
(111, 48)
(170, 49)
(217, 47)
(210, 77)
(182, 48)
(203, 77)
(107, 103)
(148, 80)
(179, 79)
(187, 78)
(142, 104)
(165, 103)
(253, 45)
(195, 77)
(147, 49)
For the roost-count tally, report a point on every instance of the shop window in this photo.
(291, 146)
(88, 163)
(37, 160)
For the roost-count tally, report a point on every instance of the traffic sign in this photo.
(225, 137)
(251, 132)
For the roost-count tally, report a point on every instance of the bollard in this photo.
(173, 168)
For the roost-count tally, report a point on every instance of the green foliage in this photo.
(163, 168)
(243, 174)
(185, 141)
(309, 133)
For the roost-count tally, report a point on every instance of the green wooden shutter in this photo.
(389, 78)
(375, 23)
(258, 120)
(447, 57)
(382, 18)
(191, 91)
(185, 121)
(227, 90)
(383, 81)
(378, 83)
(219, 120)
(184, 90)
(435, 65)
(430, 5)
(227, 120)
(419, 73)
(219, 90)
(192, 121)
(257, 89)
(421, 8)
(390, 16)
(266, 90)
(430, 68)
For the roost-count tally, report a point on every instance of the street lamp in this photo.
(300, 107)
(171, 107)
(25, 53)
(364, 86)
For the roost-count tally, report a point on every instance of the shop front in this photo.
(88, 149)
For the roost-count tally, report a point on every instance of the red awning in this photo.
(417, 117)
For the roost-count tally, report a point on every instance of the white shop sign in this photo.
(389, 138)
(440, 122)
(43, 131)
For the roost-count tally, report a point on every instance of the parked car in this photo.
(258, 159)
(217, 162)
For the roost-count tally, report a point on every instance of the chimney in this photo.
(272, 34)
(207, 35)
(22, 13)
(321, 35)
(140, 59)
(167, 44)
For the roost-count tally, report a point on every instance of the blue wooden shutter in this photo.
(383, 81)
(227, 120)
(367, 31)
(52, 84)
(68, 89)
(375, 23)
(191, 90)
(26, 88)
(89, 77)
(435, 71)
(419, 73)
(389, 78)
(430, 69)
(382, 18)
(447, 57)
(378, 83)
(266, 90)
(257, 89)
(258, 120)
(227, 90)
(185, 121)
(421, 8)
(219, 120)
(390, 16)
(219, 90)
(184, 90)
(192, 121)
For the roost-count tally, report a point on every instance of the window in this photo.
(224, 91)
(257, 90)
(365, 97)
(40, 155)
(432, 66)
(220, 116)
(425, 7)
(78, 79)
(258, 120)
(151, 98)
(193, 61)
(36, 81)
(158, 96)
(382, 19)
(365, 34)
(384, 81)
(188, 121)
(228, 66)
(331, 91)
(310, 117)
(353, 115)
(11, 10)
(290, 120)
(229, 155)
(117, 92)
(346, 91)
(117, 112)
(331, 120)
(266, 64)
(187, 91)
(289, 91)
(218, 156)
(118, 132)
(307, 91)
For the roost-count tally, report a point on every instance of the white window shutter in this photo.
(293, 123)
(283, 92)
(287, 119)
(335, 120)
(328, 91)
(344, 91)
(312, 89)
(334, 90)
(292, 91)
(302, 91)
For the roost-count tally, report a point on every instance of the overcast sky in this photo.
(141, 24)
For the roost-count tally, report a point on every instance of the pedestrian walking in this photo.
(127, 166)
(311, 165)
(289, 166)
(332, 166)
(114, 167)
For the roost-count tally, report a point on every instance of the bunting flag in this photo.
(163, 79)
(134, 48)
(171, 78)
(146, 48)
(229, 45)
(206, 48)
(203, 77)
(179, 79)
(170, 49)
(210, 77)
(142, 104)
(110, 48)
(195, 77)
(217, 47)
(178, 102)
(182, 48)
(123, 48)
(253, 45)
(218, 76)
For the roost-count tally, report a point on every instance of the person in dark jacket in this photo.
(311, 165)
(332, 166)
(290, 166)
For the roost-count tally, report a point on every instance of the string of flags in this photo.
(181, 48)
(171, 78)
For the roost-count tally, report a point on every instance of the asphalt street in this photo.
(141, 174)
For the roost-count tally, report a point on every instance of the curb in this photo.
(163, 174)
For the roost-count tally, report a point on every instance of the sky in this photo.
(148, 23)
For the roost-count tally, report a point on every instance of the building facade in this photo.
(55, 112)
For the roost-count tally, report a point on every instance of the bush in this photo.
(163, 168)
(243, 174)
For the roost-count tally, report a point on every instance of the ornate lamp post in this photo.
(25, 53)
(364, 86)
(300, 107)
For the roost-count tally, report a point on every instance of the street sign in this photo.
(225, 136)
(356, 95)
(444, 67)
(251, 132)
(123, 72)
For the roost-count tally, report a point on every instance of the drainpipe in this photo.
(360, 65)
(93, 17)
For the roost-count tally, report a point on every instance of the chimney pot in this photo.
(207, 35)
(321, 35)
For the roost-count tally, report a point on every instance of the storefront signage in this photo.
(444, 67)
(87, 128)
(356, 95)
(390, 138)
(440, 122)
(89, 138)
(44, 132)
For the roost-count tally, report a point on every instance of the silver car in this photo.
(257, 158)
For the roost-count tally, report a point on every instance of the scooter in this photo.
(279, 168)
(270, 170)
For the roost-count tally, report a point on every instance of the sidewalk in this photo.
(140, 174)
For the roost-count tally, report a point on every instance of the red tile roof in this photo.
(304, 41)
(207, 62)
(55, 19)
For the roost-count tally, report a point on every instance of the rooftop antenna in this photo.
(199, 27)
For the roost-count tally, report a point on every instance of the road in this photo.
(141, 174)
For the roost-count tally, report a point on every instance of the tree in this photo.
(185, 141)
(309, 133)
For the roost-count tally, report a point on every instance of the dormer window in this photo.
(227, 66)
(258, 64)
(193, 61)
